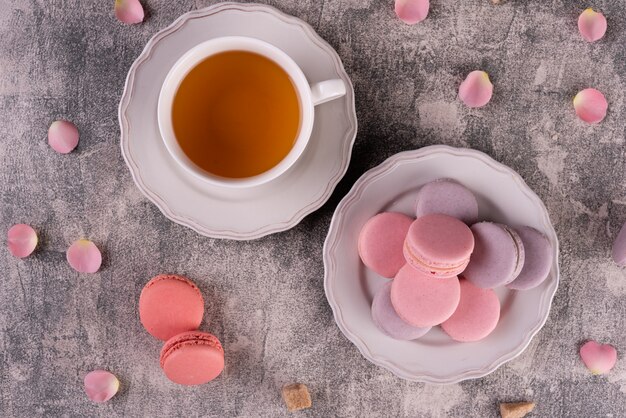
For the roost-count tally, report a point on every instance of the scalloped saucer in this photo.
(503, 196)
(240, 214)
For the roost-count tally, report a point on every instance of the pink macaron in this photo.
(438, 245)
(498, 256)
(170, 304)
(449, 198)
(423, 300)
(192, 358)
(380, 242)
(388, 321)
(476, 316)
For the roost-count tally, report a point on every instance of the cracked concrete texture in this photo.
(265, 299)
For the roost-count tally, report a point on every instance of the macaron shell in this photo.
(380, 242)
(438, 245)
(449, 198)
(538, 258)
(619, 247)
(496, 257)
(388, 321)
(476, 316)
(192, 358)
(169, 305)
(422, 300)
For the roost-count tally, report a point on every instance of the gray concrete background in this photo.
(265, 300)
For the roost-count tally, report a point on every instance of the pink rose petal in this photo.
(599, 358)
(84, 256)
(63, 136)
(129, 11)
(590, 105)
(21, 240)
(101, 385)
(591, 25)
(412, 11)
(476, 90)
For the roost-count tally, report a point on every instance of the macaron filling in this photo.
(519, 245)
(187, 339)
(434, 267)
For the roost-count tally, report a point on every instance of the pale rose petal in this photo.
(129, 11)
(412, 11)
(591, 25)
(63, 136)
(84, 256)
(590, 105)
(21, 240)
(476, 90)
(599, 358)
(101, 385)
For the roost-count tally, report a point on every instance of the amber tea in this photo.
(236, 114)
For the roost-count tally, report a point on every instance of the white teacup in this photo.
(309, 96)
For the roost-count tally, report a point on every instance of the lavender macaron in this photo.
(538, 257)
(498, 255)
(388, 321)
(619, 248)
(449, 198)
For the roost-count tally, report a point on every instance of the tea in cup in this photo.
(238, 111)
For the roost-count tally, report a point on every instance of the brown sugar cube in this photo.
(296, 396)
(516, 410)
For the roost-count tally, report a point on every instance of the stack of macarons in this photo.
(444, 265)
(171, 308)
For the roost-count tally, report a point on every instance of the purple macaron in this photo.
(498, 255)
(619, 248)
(449, 198)
(388, 321)
(538, 257)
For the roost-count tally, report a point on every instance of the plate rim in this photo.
(330, 262)
(348, 140)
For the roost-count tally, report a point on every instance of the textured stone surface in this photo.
(265, 300)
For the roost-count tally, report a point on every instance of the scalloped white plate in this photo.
(240, 214)
(503, 196)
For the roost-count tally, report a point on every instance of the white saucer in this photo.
(435, 358)
(240, 214)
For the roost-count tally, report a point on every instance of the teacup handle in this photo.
(328, 90)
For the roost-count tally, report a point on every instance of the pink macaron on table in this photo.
(471, 343)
